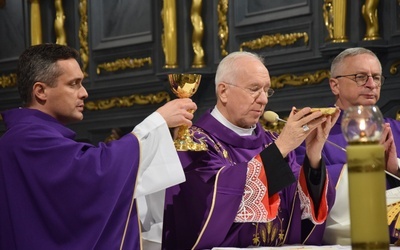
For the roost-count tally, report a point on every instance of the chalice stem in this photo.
(183, 131)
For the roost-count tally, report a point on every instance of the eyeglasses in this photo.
(255, 91)
(362, 79)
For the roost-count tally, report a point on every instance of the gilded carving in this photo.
(36, 23)
(393, 67)
(334, 12)
(327, 10)
(370, 13)
(198, 31)
(223, 28)
(272, 40)
(169, 36)
(124, 63)
(7, 81)
(61, 37)
(294, 80)
(83, 36)
(128, 101)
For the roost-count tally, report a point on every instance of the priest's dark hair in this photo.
(38, 63)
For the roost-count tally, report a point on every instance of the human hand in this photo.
(316, 139)
(178, 112)
(390, 149)
(294, 132)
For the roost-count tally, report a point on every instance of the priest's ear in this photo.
(221, 92)
(39, 92)
(334, 84)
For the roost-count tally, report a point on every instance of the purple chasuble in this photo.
(56, 193)
(200, 212)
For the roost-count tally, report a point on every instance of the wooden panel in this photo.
(256, 11)
(397, 27)
(12, 30)
(120, 23)
(394, 18)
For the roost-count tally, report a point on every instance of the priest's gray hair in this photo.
(337, 62)
(227, 68)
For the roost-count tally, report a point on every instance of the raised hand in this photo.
(299, 125)
(178, 112)
(317, 138)
(390, 149)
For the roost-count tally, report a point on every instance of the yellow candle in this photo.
(367, 185)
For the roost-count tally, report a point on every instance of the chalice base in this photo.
(185, 142)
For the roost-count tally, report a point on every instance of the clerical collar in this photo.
(238, 130)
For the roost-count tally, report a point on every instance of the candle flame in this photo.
(362, 125)
(362, 129)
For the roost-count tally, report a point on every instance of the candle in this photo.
(367, 185)
(362, 127)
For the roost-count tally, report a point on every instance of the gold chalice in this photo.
(184, 86)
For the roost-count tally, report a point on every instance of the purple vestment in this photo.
(200, 212)
(56, 193)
